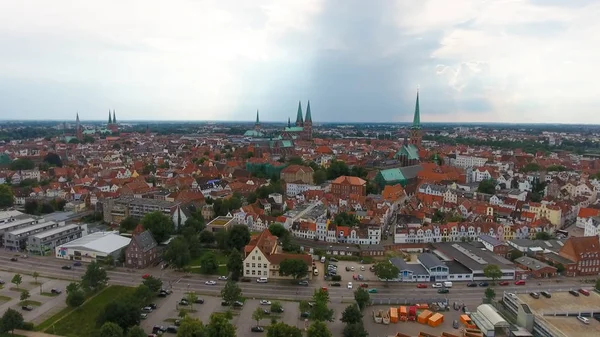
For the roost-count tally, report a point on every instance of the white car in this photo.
(362, 268)
(265, 302)
(222, 278)
(210, 283)
(583, 320)
(352, 268)
(437, 285)
(349, 285)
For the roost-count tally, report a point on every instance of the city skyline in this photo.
(475, 61)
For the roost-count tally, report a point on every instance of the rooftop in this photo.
(220, 221)
(56, 230)
(104, 242)
(146, 201)
(472, 257)
(15, 223)
(35, 227)
(532, 263)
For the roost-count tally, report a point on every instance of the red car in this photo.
(520, 283)
(421, 285)
(584, 292)
(364, 285)
(146, 276)
(503, 283)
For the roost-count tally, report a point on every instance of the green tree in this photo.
(160, 225)
(490, 294)
(17, 280)
(206, 237)
(35, 276)
(94, 278)
(281, 329)
(208, 263)
(124, 312)
(560, 268)
(6, 196)
(191, 327)
(231, 292)
(129, 223)
(110, 329)
(277, 229)
(318, 329)
(25, 295)
(493, 272)
(153, 283)
(319, 177)
(235, 264)
(53, 159)
(385, 270)
(294, 267)
(487, 186)
(276, 306)
(351, 314)
(258, 315)
(143, 295)
(355, 330)
(543, 236)
(219, 326)
(238, 237)
(178, 253)
(22, 164)
(75, 298)
(136, 331)
(11, 320)
(362, 298)
(514, 254)
(346, 219)
(73, 286)
(598, 284)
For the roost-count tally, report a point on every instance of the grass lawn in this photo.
(4, 298)
(82, 321)
(29, 302)
(8, 334)
(221, 260)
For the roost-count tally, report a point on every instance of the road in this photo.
(51, 267)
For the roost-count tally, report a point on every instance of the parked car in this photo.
(583, 320)
(534, 295)
(199, 301)
(305, 314)
(574, 293)
(2, 281)
(152, 305)
(421, 285)
(364, 285)
(333, 259)
(257, 329)
(584, 292)
(504, 283)
(236, 304)
(246, 279)
(77, 264)
(143, 315)
(484, 284)
(27, 307)
(172, 329)
(336, 284)
(546, 294)
(347, 268)
(162, 294)
(56, 291)
(266, 311)
(362, 268)
(352, 268)
(146, 310)
(184, 301)
(455, 324)
(373, 291)
(66, 267)
(145, 276)
(158, 329)
(471, 284)
(303, 283)
(210, 283)
(222, 278)
(371, 268)
(443, 291)
(349, 285)
(437, 285)
(14, 259)
(278, 309)
(265, 302)
(520, 282)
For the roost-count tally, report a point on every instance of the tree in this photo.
(17, 280)
(136, 331)
(362, 298)
(192, 298)
(487, 186)
(20, 164)
(493, 272)
(25, 295)
(490, 294)
(129, 223)
(318, 329)
(355, 330)
(53, 159)
(31, 207)
(143, 295)
(94, 278)
(160, 225)
(110, 329)
(385, 270)
(238, 237)
(276, 306)
(319, 177)
(72, 287)
(281, 329)
(11, 320)
(598, 284)
(6, 196)
(543, 236)
(206, 237)
(75, 298)
(231, 292)
(35, 276)
(153, 283)
(191, 327)
(560, 268)
(320, 312)
(345, 219)
(219, 326)
(235, 264)
(258, 315)
(208, 263)
(294, 267)
(351, 314)
(514, 254)
(123, 312)
(277, 229)
(178, 253)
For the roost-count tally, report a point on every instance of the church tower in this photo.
(79, 131)
(299, 121)
(415, 129)
(109, 118)
(308, 123)
(257, 123)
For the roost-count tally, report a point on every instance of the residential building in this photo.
(93, 247)
(297, 174)
(592, 227)
(17, 239)
(12, 224)
(44, 243)
(292, 189)
(344, 186)
(584, 215)
(545, 211)
(535, 268)
(142, 250)
(468, 161)
(220, 223)
(115, 210)
(585, 252)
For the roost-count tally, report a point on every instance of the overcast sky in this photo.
(356, 60)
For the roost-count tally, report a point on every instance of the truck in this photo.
(412, 313)
(448, 284)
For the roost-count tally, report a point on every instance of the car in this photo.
(162, 294)
(152, 305)
(437, 285)
(184, 301)
(303, 283)
(504, 283)
(520, 282)
(222, 278)
(305, 314)
(584, 292)
(574, 293)
(56, 291)
(371, 268)
(199, 301)
(266, 311)
(262, 280)
(484, 284)
(355, 277)
(77, 264)
(145, 276)
(146, 310)
(236, 304)
(364, 285)
(324, 289)
(66, 267)
(421, 285)
(14, 259)
(443, 291)
(455, 324)
(471, 284)
(166, 291)
(347, 268)
(362, 268)
(210, 283)
(143, 315)
(373, 291)
(278, 309)
(172, 329)
(264, 302)
(349, 285)
(158, 329)
(27, 307)
(257, 329)
(534, 295)
(333, 259)
(583, 320)
(360, 277)
(546, 294)
(336, 284)
(352, 268)
(332, 273)
(177, 322)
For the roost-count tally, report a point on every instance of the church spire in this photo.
(109, 117)
(308, 118)
(417, 117)
(77, 119)
(114, 117)
(257, 119)
(299, 121)
(289, 123)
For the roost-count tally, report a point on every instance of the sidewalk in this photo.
(33, 333)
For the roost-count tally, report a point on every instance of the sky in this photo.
(517, 61)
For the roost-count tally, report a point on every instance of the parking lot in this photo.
(348, 275)
(43, 303)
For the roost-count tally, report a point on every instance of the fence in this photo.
(407, 301)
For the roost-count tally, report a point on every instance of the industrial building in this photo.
(44, 243)
(93, 247)
(17, 239)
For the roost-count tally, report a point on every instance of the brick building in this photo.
(585, 253)
(295, 173)
(142, 251)
(343, 186)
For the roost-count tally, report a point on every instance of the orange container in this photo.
(424, 316)
(466, 320)
(394, 315)
(403, 311)
(435, 320)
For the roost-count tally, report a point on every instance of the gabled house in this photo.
(142, 251)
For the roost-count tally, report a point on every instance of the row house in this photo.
(450, 196)
(575, 189)
(293, 189)
(304, 230)
(546, 210)
(481, 174)
(432, 189)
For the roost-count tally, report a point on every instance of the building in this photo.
(475, 257)
(429, 268)
(44, 243)
(297, 174)
(343, 186)
(592, 226)
(585, 253)
(220, 223)
(142, 250)
(263, 255)
(584, 215)
(535, 268)
(93, 247)
(468, 161)
(545, 211)
(303, 128)
(399, 175)
(488, 320)
(115, 210)
(295, 188)
(17, 239)
(12, 224)
(494, 245)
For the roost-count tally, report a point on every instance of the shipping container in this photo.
(412, 313)
(394, 315)
(435, 320)
(403, 311)
(424, 316)
(466, 320)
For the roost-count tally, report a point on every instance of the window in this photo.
(254, 258)
(259, 272)
(254, 272)
(253, 265)
(247, 265)
(259, 258)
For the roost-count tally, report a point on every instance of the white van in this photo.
(262, 280)
(322, 259)
(448, 284)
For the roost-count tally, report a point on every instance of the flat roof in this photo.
(472, 257)
(146, 201)
(53, 231)
(16, 223)
(9, 214)
(220, 221)
(571, 326)
(104, 242)
(32, 228)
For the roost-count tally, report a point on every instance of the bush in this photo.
(27, 326)
(336, 278)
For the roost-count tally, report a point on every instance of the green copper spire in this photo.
(299, 121)
(417, 118)
(289, 123)
(308, 116)
(109, 117)
(257, 120)
(114, 117)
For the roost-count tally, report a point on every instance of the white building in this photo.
(44, 243)
(592, 227)
(92, 247)
(293, 189)
(469, 161)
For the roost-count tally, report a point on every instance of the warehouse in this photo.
(92, 247)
